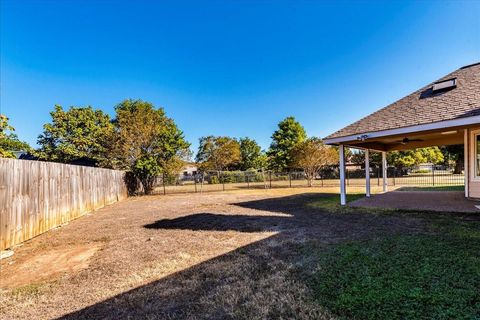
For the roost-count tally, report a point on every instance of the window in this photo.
(477, 155)
(444, 85)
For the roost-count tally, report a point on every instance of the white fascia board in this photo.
(411, 129)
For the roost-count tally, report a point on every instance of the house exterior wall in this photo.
(189, 170)
(473, 184)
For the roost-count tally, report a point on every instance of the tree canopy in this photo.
(454, 154)
(251, 155)
(9, 141)
(311, 155)
(218, 153)
(289, 133)
(146, 142)
(410, 158)
(79, 132)
(406, 158)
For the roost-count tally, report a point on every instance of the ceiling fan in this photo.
(407, 140)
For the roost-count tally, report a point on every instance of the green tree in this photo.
(454, 154)
(251, 155)
(262, 161)
(411, 158)
(146, 142)
(404, 158)
(9, 141)
(289, 133)
(80, 132)
(218, 153)
(311, 155)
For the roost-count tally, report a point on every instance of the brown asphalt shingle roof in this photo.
(424, 106)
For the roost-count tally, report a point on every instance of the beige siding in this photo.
(37, 196)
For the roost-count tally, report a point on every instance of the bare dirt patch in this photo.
(48, 265)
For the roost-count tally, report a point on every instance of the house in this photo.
(189, 170)
(445, 112)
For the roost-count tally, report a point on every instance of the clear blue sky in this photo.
(231, 68)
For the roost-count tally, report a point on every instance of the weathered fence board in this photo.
(36, 196)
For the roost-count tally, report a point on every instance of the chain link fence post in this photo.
(163, 180)
(222, 178)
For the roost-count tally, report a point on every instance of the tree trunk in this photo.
(147, 184)
(458, 166)
(310, 177)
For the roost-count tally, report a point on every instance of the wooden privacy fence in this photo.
(37, 196)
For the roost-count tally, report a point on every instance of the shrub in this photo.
(213, 180)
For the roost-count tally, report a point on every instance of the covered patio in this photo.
(445, 112)
(442, 201)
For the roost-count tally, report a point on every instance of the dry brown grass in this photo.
(218, 255)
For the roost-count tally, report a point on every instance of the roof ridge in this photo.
(470, 65)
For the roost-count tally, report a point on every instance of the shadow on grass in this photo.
(273, 278)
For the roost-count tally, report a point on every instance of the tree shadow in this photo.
(264, 279)
(219, 222)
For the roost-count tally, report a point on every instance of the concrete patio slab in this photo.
(444, 201)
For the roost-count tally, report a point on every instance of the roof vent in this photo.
(444, 85)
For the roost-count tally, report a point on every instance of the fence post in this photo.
(223, 180)
(163, 179)
(248, 181)
(195, 182)
(263, 176)
(348, 181)
(270, 177)
(433, 174)
(378, 176)
(290, 179)
(394, 169)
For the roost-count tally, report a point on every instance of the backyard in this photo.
(255, 254)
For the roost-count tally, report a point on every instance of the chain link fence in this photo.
(209, 181)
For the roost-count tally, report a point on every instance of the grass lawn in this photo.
(433, 188)
(422, 276)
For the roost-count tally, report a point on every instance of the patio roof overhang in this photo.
(448, 132)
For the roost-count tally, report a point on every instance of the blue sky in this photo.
(231, 68)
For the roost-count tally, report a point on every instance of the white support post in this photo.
(466, 165)
(367, 173)
(343, 193)
(384, 171)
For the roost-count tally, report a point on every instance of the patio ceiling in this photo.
(406, 141)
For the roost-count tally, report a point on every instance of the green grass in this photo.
(433, 188)
(331, 202)
(406, 277)
(423, 276)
